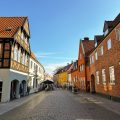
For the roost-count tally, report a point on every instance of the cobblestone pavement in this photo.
(60, 105)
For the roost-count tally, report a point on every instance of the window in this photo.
(23, 59)
(95, 43)
(96, 56)
(19, 55)
(118, 34)
(15, 53)
(106, 32)
(22, 36)
(101, 50)
(7, 46)
(97, 77)
(26, 59)
(81, 67)
(112, 75)
(103, 76)
(31, 64)
(92, 59)
(109, 44)
(34, 67)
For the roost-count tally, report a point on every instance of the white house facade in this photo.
(36, 74)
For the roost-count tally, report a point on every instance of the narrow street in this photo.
(59, 105)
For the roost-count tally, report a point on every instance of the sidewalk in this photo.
(5, 107)
(104, 102)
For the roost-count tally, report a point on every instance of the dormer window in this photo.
(106, 32)
(95, 44)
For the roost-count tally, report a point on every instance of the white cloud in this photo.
(52, 55)
(46, 54)
(51, 67)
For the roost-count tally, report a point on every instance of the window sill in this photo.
(112, 83)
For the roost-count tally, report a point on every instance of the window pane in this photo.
(6, 54)
(7, 46)
(6, 62)
(109, 44)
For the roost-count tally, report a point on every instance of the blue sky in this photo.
(57, 25)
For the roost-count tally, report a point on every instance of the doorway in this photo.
(93, 84)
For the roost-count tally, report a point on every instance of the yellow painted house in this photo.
(62, 78)
(62, 75)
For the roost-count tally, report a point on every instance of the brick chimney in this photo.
(86, 38)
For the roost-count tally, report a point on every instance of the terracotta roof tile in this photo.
(10, 25)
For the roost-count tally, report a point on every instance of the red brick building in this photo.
(105, 61)
(85, 48)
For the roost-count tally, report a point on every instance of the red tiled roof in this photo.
(10, 25)
(88, 46)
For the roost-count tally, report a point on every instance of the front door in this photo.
(93, 84)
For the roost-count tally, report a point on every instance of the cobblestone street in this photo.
(60, 105)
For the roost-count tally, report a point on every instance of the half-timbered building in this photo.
(14, 57)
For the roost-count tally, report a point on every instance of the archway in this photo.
(93, 83)
(14, 89)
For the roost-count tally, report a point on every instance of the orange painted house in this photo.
(85, 48)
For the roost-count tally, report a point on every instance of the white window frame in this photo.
(118, 34)
(19, 55)
(101, 50)
(15, 53)
(96, 55)
(23, 58)
(112, 75)
(106, 32)
(103, 76)
(90, 60)
(22, 36)
(109, 44)
(93, 59)
(97, 77)
(26, 59)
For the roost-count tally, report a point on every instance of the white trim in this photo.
(18, 72)
(83, 48)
